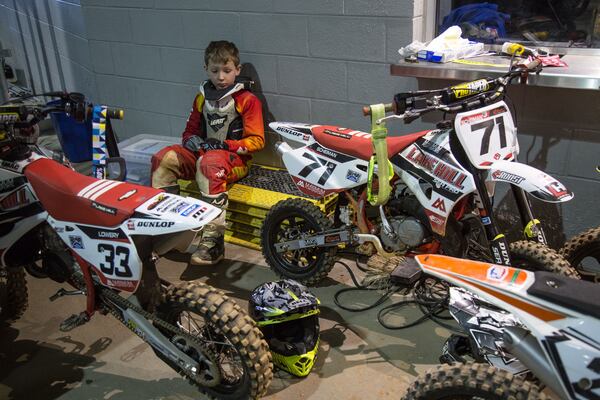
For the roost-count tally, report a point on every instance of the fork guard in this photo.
(539, 184)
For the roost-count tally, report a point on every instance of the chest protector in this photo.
(221, 119)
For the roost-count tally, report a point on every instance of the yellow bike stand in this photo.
(251, 198)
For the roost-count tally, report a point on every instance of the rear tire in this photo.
(471, 380)
(583, 252)
(293, 219)
(13, 294)
(227, 331)
(533, 256)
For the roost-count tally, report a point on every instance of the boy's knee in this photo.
(166, 158)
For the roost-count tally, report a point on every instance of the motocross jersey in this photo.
(232, 115)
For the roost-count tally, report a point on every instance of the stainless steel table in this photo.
(583, 72)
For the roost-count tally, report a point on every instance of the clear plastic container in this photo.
(138, 151)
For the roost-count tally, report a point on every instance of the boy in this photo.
(224, 127)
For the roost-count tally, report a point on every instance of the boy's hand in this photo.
(194, 143)
(214, 144)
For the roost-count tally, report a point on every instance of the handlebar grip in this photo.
(114, 113)
(367, 109)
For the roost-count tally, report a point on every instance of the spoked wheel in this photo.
(583, 252)
(13, 294)
(295, 219)
(534, 256)
(471, 381)
(234, 359)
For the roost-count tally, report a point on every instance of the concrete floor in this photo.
(358, 358)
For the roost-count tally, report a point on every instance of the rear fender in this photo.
(169, 213)
(539, 184)
(294, 131)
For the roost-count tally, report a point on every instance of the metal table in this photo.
(583, 72)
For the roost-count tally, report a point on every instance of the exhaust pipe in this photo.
(523, 345)
(282, 147)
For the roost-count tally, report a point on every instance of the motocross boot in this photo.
(211, 249)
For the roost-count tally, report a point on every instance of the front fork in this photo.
(533, 228)
(498, 243)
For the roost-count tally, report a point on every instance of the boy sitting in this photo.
(224, 127)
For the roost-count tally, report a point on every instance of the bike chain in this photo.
(206, 351)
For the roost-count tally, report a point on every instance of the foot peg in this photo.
(74, 321)
(62, 292)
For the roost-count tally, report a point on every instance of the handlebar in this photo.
(73, 104)
(367, 109)
(453, 99)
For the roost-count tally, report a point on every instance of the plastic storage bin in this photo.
(75, 137)
(138, 151)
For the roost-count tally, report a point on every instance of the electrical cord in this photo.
(432, 302)
(430, 295)
(359, 287)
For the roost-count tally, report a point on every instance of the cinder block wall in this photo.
(316, 61)
(49, 42)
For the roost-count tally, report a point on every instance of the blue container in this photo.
(75, 137)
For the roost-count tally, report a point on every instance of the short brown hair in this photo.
(221, 51)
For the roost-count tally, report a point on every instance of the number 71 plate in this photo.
(488, 134)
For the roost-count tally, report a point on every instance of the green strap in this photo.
(385, 170)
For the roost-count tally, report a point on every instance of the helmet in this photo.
(287, 314)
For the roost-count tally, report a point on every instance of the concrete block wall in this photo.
(48, 38)
(316, 61)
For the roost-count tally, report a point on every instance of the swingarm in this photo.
(332, 238)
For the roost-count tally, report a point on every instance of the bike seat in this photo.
(69, 196)
(580, 296)
(357, 143)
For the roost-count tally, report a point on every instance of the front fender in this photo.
(541, 185)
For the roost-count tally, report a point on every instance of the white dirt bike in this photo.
(104, 237)
(435, 193)
(524, 324)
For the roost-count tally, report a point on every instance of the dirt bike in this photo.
(519, 323)
(104, 237)
(441, 192)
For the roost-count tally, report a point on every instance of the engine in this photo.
(403, 232)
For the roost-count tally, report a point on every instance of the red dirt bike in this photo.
(435, 193)
(104, 237)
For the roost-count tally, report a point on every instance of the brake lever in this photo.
(391, 116)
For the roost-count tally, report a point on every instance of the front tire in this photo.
(471, 380)
(13, 294)
(294, 219)
(534, 256)
(210, 317)
(583, 252)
